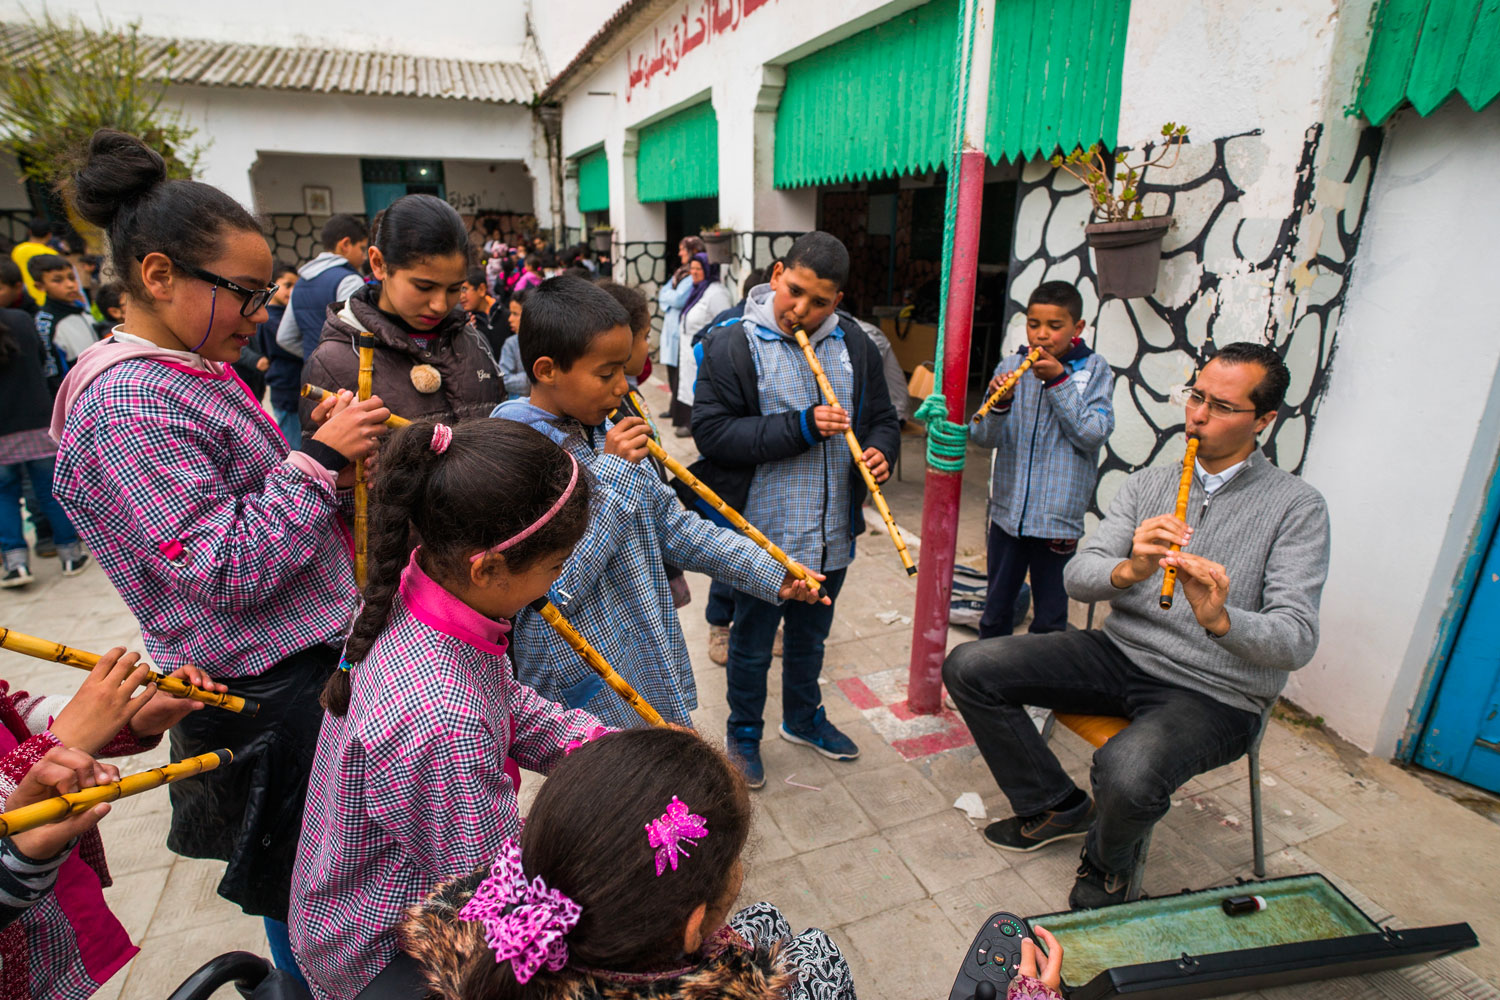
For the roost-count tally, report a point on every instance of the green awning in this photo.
(881, 102)
(1055, 76)
(678, 157)
(876, 104)
(1424, 51)
(593, 182)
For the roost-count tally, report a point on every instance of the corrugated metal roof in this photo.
(201, 63)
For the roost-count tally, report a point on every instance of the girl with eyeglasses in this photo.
(228, 547)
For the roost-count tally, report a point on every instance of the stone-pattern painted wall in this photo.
(1225, 277)
(647, 265)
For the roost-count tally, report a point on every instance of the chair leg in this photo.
(1138, 872)
(1257, 830)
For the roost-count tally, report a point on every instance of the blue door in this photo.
(1462, 737)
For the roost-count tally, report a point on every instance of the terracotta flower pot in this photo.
(719, 246)
(1127, 255)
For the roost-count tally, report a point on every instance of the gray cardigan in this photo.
(1269, 529)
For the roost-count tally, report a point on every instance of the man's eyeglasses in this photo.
(254, 299)
(1186, 395)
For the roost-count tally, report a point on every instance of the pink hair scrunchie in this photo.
(442, 437)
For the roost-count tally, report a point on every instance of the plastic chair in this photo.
(1096, 730)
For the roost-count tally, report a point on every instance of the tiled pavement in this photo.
(873, 851)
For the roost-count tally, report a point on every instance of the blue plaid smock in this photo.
(802, 502)
(614, 590)
(1047, 442)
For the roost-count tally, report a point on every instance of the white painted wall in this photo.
(447, 28)
(244, 124)
(562, 29)
(1405, 440)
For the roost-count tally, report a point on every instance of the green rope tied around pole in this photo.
(947, 442)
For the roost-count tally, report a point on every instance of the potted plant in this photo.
(599, 239)
(719, 242)
(1126, 241)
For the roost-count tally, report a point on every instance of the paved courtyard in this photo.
(874, 850)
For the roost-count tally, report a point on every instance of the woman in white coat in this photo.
(708, 298)
(671, 297)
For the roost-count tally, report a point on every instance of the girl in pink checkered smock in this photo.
(418, 762)
(227, 546)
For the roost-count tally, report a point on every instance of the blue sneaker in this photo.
(823, 737)
(745, 753)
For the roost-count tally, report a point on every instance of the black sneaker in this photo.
(1024, 834)
(75, 565)
(45, 547)
(1096, 887)
(20, 576)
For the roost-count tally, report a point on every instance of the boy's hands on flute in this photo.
(794, 588)
(1206, 586)
(1045, 367)
(166, 710)
(876, 462)
(629, 439)
(830, 420)
(1153, 539)
(61, 771)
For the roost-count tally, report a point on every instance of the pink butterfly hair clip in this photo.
(676, 827)
(525, 922)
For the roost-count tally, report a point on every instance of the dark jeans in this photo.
(720, 607)
(679, 413)
(1009, 560)
(1174, 733)
(12, 537)
(34, 511)
(750, 642)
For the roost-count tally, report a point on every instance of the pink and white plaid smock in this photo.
(228, 548)
(417, 783)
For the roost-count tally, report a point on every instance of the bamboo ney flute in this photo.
(42, 649)
(62, 806)
(1169, 575)
(715, 501)
(1009, 383)
(856, 450)
(597, 663)
(366, 342)
(317, 393)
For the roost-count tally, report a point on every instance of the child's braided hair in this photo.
(494, 479)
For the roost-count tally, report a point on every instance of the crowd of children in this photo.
(371, 814)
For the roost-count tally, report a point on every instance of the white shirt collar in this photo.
(1212, 482)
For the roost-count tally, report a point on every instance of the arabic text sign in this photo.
(699, 24)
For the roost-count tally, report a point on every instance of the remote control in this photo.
(992, 959)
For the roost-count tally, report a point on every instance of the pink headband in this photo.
(536, 525)
(442, 437)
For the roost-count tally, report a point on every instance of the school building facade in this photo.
(1334, 199)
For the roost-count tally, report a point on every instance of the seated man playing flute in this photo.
(1194, 680)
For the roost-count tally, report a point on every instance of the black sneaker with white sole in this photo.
(1024, 834)
(75, 565)
(1096, 887)
(16, 576)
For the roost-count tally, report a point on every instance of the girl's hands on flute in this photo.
(875, 461)
(349, 426)
(1206, 586)
(166, 710)
(105, 703)
(61, 771)
(794, 588)
(1153, 539)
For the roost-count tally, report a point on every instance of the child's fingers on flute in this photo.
(830, 420)
(876, 462)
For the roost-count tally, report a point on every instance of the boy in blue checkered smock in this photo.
(772, 449)
(1046, 432)
(575, 342)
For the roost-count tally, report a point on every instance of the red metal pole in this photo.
(940, 496)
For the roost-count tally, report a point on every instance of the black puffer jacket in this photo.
(25, 401)
(470, 383)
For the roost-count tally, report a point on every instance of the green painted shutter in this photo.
(1055, 76)
(678, 157)
(1424, 51)
(593, 182)
(876, 104)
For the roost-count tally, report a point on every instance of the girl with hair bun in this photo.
(630, 902)
(416, 773)
(431, 361)
(227, 546)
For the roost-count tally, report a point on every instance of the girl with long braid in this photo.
(416, 773)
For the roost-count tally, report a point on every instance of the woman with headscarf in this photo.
(671, 297)
(707, 299)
